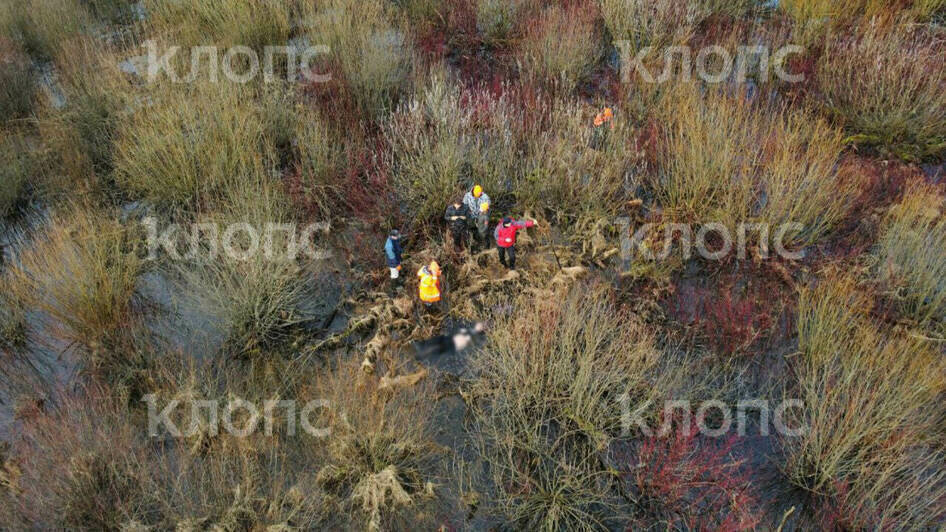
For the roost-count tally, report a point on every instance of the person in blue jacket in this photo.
(392, 250)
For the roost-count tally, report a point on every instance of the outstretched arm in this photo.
(520, 224)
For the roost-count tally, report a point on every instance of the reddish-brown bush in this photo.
(688, 482)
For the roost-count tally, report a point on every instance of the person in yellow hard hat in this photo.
(428, 287)
(477, 202)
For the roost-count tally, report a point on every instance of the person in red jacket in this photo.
(505, 234)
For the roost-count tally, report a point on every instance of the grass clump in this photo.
(368, 47)
(813, 10)
(227, 23)
(17, 86)
(13, 322)
(79, 468)
(912, 257)
(562, 48)
(253, 286)
(496, 20)
(442, 146)
(661, 23)
(116, 12)
(929, 9)
(546, 406)
(579, 174)
(45, 28)
(870, 407)
(191, 145)
(82, 273)
(884, 85)
(380, 459)
(713, 167)
(90, 464)
(16, 170)
(817, 15)
(319, 162)
(81, 134)
(642, 23)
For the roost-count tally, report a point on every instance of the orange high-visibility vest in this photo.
(429, 286)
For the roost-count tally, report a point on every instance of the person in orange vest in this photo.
(428, 288)
(600, 134)
(604, 117)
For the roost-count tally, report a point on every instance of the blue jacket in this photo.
(392, 249)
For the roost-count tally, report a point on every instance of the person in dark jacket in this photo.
(392, 251)
(457, 217)
(447, 344)
(505, 234)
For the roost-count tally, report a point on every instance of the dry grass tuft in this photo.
(257, 291)
(191, 145)
(319, 159)
(813, 10)
(813, 17)
(370, 48)
(227, 23)
(81, 134)
(45, 28)
(562, 48)
(912, 254)
(713, 167)
(82, 273)
(885, 85)
(497, 20)
(546, 405)
(17, 85)
(91, 465)
(445, 140)
(579, 174)
(381, 459)
(870, 407)
(662, 23)
(16, 170)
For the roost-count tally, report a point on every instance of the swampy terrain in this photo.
(727, 309)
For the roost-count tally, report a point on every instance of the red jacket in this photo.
(506, 236)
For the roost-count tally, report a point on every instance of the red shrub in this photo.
(685, 481)
(78, 464)
(730, 320)
(842, 511)
(332, 97)
(735, 324)
(884, 183)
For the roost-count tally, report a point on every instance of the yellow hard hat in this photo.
(484, 206)
(434, 268)
(477, 191)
